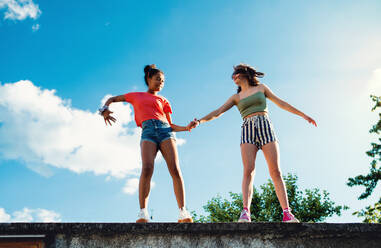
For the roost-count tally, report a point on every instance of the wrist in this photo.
(103, 109)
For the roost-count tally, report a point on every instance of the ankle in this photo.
(247, 210)
(287, 210)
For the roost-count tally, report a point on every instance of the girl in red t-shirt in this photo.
(153, 114)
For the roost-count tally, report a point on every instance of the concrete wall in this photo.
(105, 235)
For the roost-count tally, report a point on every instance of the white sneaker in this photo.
(245, 216)
(289, 217)
(143, 216)
(184, 216)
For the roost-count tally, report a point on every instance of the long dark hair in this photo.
(249, 73)
(150, 71)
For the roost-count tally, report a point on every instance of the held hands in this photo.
(108, 118)
(193, 124)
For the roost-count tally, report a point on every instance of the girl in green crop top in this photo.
(257, 133)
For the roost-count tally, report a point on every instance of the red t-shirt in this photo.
(148, 106)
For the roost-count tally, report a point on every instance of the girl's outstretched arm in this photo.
(105, 112)
(233, 100)
(177, 128)
(112, 99)
(284, 105)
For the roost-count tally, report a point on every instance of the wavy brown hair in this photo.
(249, 73)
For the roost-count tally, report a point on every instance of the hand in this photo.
(108, 118)
(194, 123)
(189, 127)
(310, 120)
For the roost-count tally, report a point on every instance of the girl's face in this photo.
(237, 78)
(156, 82)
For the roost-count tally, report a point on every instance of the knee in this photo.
(248, 171)
(175, 171)
(275, 174)
(147, 169)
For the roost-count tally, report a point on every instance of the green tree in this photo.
(308, 206)
(371, 213)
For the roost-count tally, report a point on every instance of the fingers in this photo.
(193, 125)
(312, 121)
(108, 120)
(195, 122)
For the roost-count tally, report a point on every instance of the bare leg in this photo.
(248, 153)
(169, 151)
(148, 152)
(271, 152)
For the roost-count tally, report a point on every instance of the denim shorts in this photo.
(257, 130)
(156, 131)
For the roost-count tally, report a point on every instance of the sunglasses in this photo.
(243, 71)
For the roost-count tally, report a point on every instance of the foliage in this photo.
(310, 206)
(371, 213)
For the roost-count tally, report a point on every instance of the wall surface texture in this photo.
(269, 235)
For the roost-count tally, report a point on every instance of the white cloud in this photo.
(44, 215)
(180, 141)
(40, 128)
(4, 217)
(20, 9)
(132, 185)
(23, 216)
(43, 130)
(375, 82)
(35, 27)
(30, 215)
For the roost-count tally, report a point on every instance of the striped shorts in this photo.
(257, 130)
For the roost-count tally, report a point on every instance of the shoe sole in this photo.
(291, 221)
(142, 220)
(186, 220)
(243, 221)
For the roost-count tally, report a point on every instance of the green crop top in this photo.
(252, 104)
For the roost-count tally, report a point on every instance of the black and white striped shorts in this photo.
(257, 130)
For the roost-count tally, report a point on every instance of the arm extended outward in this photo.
(175, 127)
(105, 112)
(286, 106)
(233, 100)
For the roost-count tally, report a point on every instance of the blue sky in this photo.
(60, 60)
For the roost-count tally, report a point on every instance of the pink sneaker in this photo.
(245, 216)
(289, 217)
